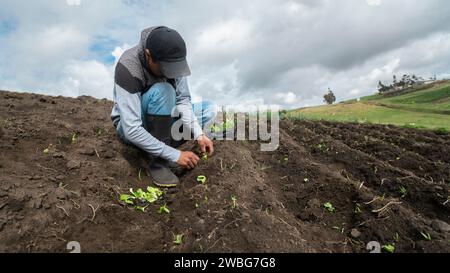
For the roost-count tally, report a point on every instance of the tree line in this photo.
(406, 81)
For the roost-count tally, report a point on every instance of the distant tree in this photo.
(382, 88)
(329, 98)
(405, 82)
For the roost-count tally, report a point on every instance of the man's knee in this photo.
(210, 111)
(206, 112)
(160, 99)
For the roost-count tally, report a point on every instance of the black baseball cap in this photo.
(169, 50)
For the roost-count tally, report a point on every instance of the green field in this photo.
(427, 108)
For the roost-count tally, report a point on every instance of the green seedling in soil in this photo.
(438, 163)
(127, 199)
(322, 147)
(197, 205)
(388, 248)
(139, 196)
(140, 208)
(426, 235)
(397, 237)
(328, 206)
(74, 138)
(201, 179)
(403, 191)
(306, 180)
(216, 128)
(358, 209)
(228, 124)
(234, 200)
(178, 239)
(205, 157)
(164, 209)
(46, 151)
(150, 196)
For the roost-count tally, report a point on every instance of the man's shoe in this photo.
(161, 174)
(159, 169)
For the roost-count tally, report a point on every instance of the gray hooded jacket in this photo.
(132, 79)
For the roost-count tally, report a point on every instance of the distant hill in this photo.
(425, 107)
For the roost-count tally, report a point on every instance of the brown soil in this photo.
(49, 199)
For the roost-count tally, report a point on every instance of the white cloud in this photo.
(87, 78)
(73, 2)
(288, 98)
(373, 2)
(227, 38)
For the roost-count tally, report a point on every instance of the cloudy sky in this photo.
(285, 52)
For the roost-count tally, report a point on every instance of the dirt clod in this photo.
(440, 226)
(73, 164)
(355, 233)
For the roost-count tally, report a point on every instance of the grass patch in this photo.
(368, 113)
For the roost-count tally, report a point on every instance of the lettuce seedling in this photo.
(201, 179)
(46, 151)
(328, 206)
(140, 197)
(388, 248)
(205, 157)
(397, 237)
(234, 199)
(150, 196)
(74, 138)
(128, 199)
(164, 209)
(141, 208)
(153, 194)
(426, 235)
(228, 124)
(403, 191)
(178, 239)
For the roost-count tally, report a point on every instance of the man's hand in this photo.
(188, 160)
(206, 145)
